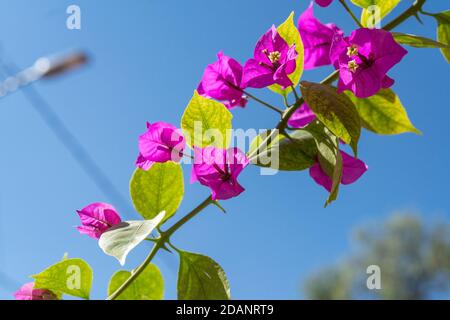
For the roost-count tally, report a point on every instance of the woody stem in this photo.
(411, 11)
(165, 236)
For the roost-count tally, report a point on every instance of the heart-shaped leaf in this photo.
(201, 278)
(206, 122)
(383, 113)
(70, 276)
(382, 9)
(161, 188)
(149, 285)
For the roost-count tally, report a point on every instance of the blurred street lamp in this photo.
(45, 67)
(49, 67)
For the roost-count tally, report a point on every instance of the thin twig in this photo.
(411, 11)
(350, 12)
(262, 102)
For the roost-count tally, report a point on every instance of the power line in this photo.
(43, 68)
(23, 80)
(60, 130)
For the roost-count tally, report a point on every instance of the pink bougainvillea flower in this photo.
(273, 61)
(27, 292)
(218, 170)
(301, 117)
(161, 143)
(222, 81)
(352, 170)
(324, 3)
(97, 218)
(317, 39)
(363, 60)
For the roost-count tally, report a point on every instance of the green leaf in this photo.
(206, 122)
(201, 278)
(336, 111)
(161, 188)
(294, 153)
(329, 156)
(383, 113)
(417, 41)
(149, 285)
(70, 276)
(443, 32)
(336, 178)
(124, 237)
(289, 32)
(385, 6)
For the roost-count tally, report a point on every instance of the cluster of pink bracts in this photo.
(363, 59)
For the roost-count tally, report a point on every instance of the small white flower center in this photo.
(274, 57)
(352, 65)
(352, 50)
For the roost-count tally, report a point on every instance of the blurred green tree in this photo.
(414, 259)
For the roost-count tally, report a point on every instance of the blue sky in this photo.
(147, 58)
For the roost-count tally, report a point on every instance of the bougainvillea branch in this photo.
(159, 243)
(311, 134)
(281, 126)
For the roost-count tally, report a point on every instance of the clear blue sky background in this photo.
(148, 57)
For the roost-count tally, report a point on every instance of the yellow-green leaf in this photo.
(149, 285)
(383, 113)
(206, 122)
(289, 32)
(70, 276)
(161, 188)
(443, 32)
(417, 41)
(384, 6)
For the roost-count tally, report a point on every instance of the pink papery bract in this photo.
(97, 218)
(161, 143)
(324, 3)
(27, 292)
(352, 170)
(218, 170)
(222, 81)
(363, 60)
(273, 61)
(301, 117)
(317, 39)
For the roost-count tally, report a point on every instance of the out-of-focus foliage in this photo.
(414, 259)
